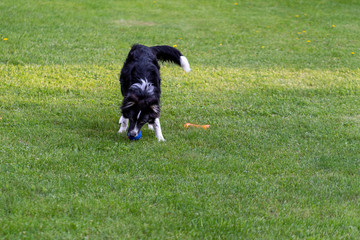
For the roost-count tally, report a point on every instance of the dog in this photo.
(140, 86)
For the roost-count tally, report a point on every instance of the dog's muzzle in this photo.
(133, 133)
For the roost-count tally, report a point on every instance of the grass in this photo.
(281, 157)
(213, 32)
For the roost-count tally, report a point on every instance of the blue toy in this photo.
(136, 137)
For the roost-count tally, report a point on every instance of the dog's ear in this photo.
(155, 108)
(128, 102)
(127, 105)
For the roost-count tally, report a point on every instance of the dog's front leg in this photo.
(124, 124)
(157, 129)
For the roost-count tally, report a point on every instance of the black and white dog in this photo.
(140, 87)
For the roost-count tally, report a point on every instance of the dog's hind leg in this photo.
(124, 124)
(151, 127)
(157, 129)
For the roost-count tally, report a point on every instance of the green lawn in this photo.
(278, 81)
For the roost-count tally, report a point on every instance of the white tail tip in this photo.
(185, 64)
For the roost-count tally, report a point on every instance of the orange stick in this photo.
(187, 125)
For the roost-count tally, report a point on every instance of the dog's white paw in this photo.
(122, 130)
(151, 127)
(124, 124)
(161, 139)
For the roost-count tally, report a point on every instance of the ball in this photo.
(136, 137)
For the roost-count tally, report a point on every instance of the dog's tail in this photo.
(167, 53)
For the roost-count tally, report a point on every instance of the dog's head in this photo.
(139, 110)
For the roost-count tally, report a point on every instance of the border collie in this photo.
(140, 86)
